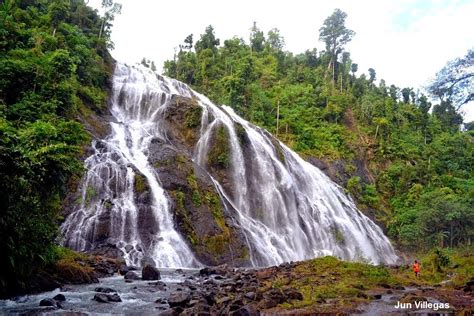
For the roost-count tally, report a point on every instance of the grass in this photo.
(343, 283)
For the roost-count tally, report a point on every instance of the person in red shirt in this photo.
(416, 268)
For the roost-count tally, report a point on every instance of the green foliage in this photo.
(52, 63)
(193, 117)
(421, 163)
(219, 154)
(140, 184)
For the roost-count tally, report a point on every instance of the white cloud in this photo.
(405, 41)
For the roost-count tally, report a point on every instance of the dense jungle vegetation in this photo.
(54, 66)
(420, 156)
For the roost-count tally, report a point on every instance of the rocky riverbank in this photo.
(320, 286)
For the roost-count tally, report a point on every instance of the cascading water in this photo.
(108, 188)
(286, 208)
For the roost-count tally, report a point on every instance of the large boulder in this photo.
(150, 273)
(131, 275)
(180, 298)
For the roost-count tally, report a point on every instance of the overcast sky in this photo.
(405, 41)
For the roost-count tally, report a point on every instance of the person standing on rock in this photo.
(416, 268)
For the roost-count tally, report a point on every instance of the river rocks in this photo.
(59, 298)
(105, 290)
(250, 295)
(179, 299)
(106, 298)
(469, 287)
(150, 273)
(131, 275)
(411, 298)
(293, 294)
(48, 302)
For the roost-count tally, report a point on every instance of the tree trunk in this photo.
(101, 28)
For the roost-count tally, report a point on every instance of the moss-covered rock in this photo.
(183, 121)
(197, 208)
(219, 153)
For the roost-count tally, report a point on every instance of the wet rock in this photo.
(131, 275)
(399, 287)
(105, 290)
(178, 270)
(150, 273)
(250, 295)
(223, 300)
(147, 261)
(128, 248)
(377, 296)
(101, 298)
(59, 298)
(123, 269)
(169, 312)
(411, 298)
(106, 298)
(235, 305)
(198, 309)
(179, 299)
(114, 297)
(161, 300)
(210, 298)
(384, 285)
(389, 292)
(48, 302)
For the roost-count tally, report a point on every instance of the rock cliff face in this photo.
(180, 182)
(197, 209)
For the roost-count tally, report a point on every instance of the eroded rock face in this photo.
(198, 212)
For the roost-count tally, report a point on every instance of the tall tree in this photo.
(372, 75)
(455, 82)
(208, 40)
(111, 9)
(275, 41)
(335, 34)
(257, 38)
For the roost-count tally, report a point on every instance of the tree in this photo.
(208, 40)
(111, 9)
(455, 82)
(354, 68)
(188, 43)
(58, 11)
(257, 38)
(371, 76)
(335, 34)
(275, 41)
(406, 92)
(447, 115)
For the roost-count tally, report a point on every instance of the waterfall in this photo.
(286, 208)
